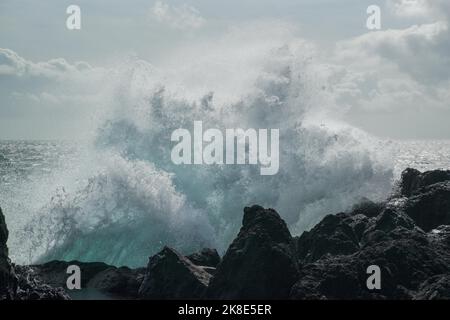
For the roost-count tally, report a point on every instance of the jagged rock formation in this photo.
(120, 282)
(407, 236)
(413, 180)
(260, 263)
(430, 206)
(20, 283)
(206, 257)
(7, 281)
(172, 276)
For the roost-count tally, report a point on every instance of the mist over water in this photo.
(120, 198)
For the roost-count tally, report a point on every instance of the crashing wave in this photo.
(133, 199)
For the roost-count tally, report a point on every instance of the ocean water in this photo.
(117, 197)
(422, 155)
(29, 183)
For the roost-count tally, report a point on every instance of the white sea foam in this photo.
(125, 198)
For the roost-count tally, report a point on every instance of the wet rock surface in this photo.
(170, 275)
(121, 282)
(260, 263)
(8, 282)
(206, 257)
(407, 237)
(20, 282)
(413, 180)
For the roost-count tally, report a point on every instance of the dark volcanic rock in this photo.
(431, 207)
(379, 228)
(406, 255)
(3, 235)
(170, 275)
(333, 235)
(342, 233)
(55, 274)
(31, 287)
(8, 282)
(261, 261)
(367, 208)
(206, 257)
(440, 236)
(435, 288)
(21, 283)
(408, 237)
(329, 278)
(412, 180)
(123, 281)
(404, 265)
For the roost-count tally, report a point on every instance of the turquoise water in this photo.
(45, 188)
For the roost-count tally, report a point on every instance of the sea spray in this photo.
(236, 146)
(131, 199)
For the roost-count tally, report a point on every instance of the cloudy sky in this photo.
(393, 83)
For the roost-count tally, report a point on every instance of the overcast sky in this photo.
(392, 83)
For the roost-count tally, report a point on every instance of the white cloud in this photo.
(177, 17)
(420, 51)
(53, 93)
(13, 64)
(377, 73)
(393, 73)
(419, 8)
(410, 8)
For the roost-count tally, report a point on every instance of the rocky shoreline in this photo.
(407, 236)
